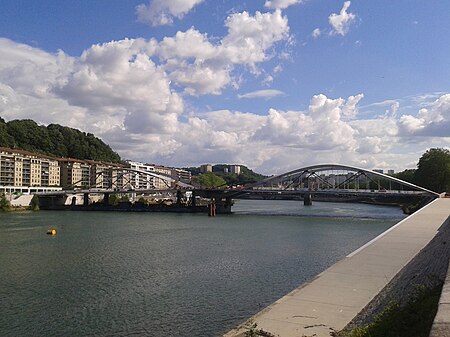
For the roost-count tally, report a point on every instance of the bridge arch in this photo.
(296, 177)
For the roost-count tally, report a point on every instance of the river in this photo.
(150, 274)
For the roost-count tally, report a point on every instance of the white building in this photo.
(236, 169)
(141, 181)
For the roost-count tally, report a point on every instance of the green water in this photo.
(149, 274)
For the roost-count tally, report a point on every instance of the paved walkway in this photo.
(334, 297)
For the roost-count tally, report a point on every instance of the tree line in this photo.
(219, 178)
(54, 140)
(433, 171)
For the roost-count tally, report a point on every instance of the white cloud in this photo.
(202, 67)
(432, 121)
(128, 93)
(133, 84)
(281, 4)
(316, 33)
(268, 93)
(320, 128)
(162, 12)
(341, 22)
(249, 38)
(120, 76)
(268, 80)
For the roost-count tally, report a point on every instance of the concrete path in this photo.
(334, 297)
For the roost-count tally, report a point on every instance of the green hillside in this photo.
(246, 175)
(54, 140)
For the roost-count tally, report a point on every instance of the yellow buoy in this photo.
(51, 232)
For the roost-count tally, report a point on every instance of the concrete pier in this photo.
(334, 297)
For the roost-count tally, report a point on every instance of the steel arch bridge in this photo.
(337, 177)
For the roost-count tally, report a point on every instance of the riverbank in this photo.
(331, 301)
(427, 270)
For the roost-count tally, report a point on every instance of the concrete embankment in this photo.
(357, 287)
(441, 324)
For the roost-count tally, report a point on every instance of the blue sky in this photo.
(272, 84)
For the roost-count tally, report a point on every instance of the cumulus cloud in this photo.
(119, 75)
(269, 93)
(135, 85)
(202, 67)
(434, 120)
(322, 127)
(341, 22)
(132, 93)
(250, 37)
(281, 4)
(162, 12)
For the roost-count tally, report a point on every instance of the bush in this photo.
(4, 203)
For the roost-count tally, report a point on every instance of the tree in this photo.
(211, 180)
(4, 203)
(407, 175)
(34, 204)
(433, 170)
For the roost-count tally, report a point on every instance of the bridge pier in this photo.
(193, 200)
(106, 199)
(223, 205)
(179, 197)
(86, 199)
(307, 199)
(212, 207)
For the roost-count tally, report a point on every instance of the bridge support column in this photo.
(307, 199)
(179, 197)
(193, 201)
(212, 207)
(86, 199)
(106, 199)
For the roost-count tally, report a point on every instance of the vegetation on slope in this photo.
(54, 140)
(246, 175)
(210, 180)
(414, 319)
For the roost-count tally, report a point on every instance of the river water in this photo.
(150, 274)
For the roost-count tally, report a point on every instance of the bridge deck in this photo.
(331, 300)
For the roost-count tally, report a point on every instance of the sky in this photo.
(271, 84)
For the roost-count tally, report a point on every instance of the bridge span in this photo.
(324, 182)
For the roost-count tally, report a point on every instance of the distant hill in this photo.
(246, 176)
(54, 140)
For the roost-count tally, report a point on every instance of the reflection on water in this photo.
(122, 274)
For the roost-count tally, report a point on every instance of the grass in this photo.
(414, 319)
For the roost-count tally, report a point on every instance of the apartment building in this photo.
(161, 183)
(23, 171)
(138, 180)
(100, 174)
(30, 172)
(236, 169)
(206, 168)
(143, 181)
(77, 173)
(182, 175)
(74, 173)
